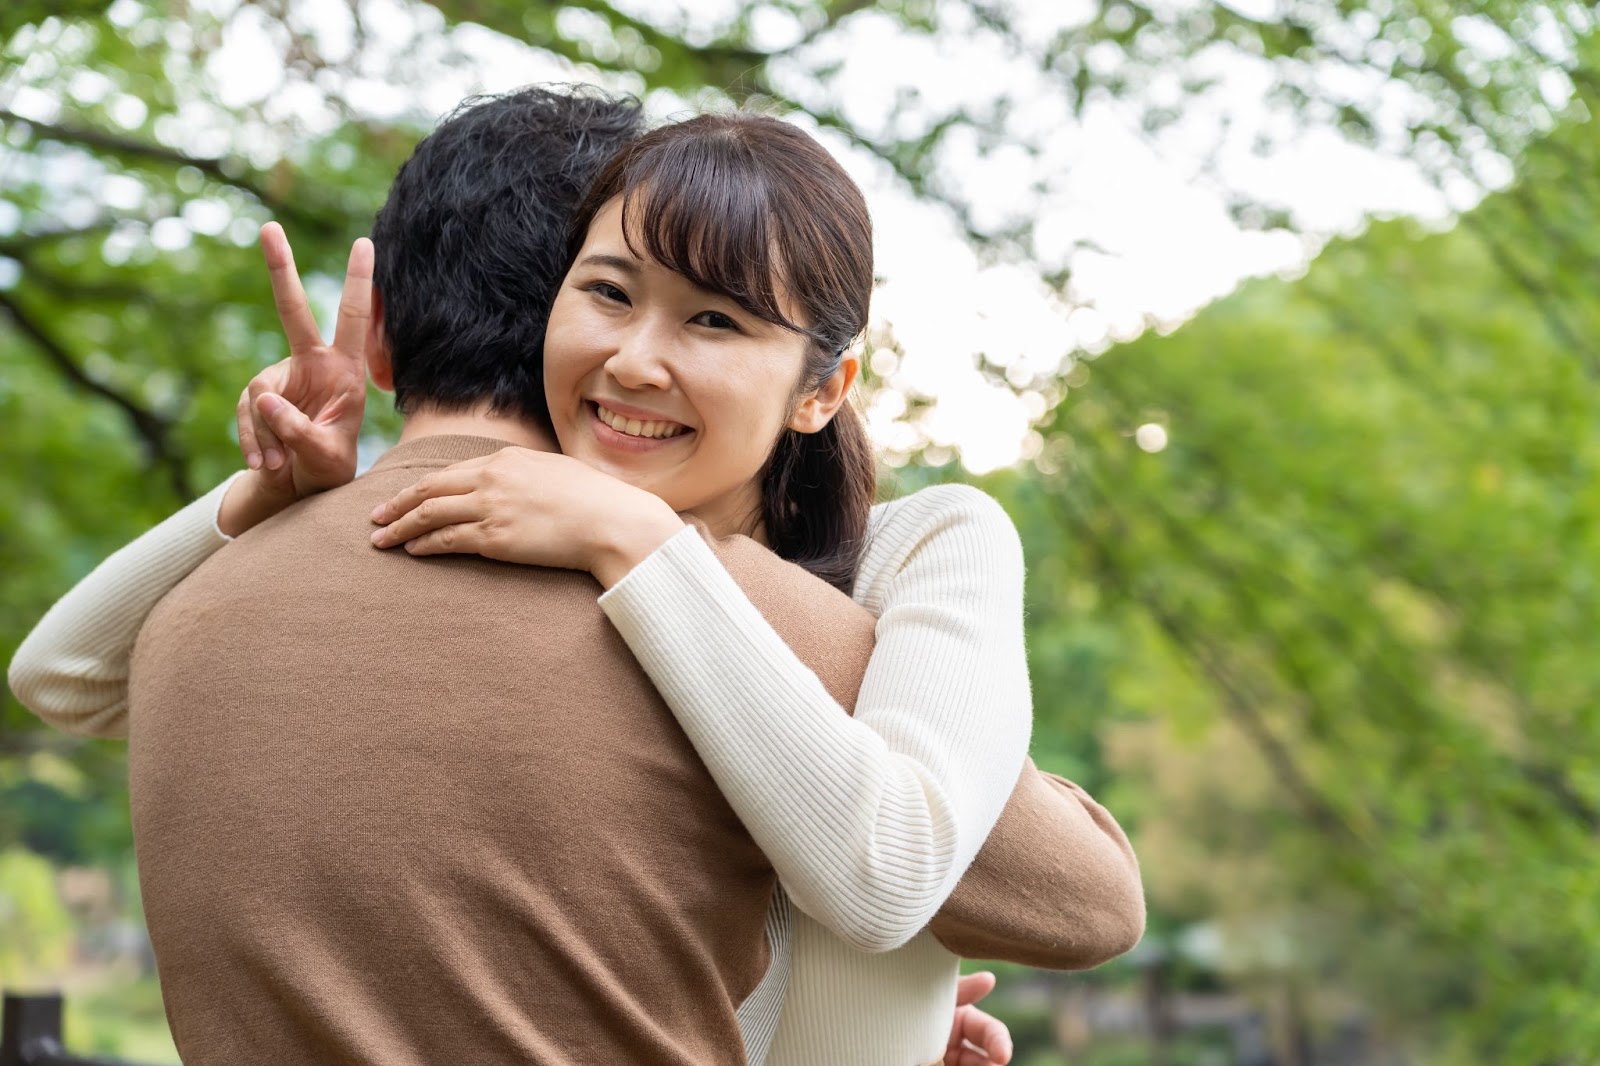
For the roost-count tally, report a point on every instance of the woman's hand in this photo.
(299, 419)
(975, 1037)
(536, 508)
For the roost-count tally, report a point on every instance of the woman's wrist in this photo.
(632, 538)
(250, 501)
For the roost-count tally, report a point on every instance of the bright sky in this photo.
(1163, 244)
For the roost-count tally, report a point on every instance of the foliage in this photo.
(33, 916)
(1325, 650)
(1355, 592)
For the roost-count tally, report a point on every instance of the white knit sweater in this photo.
(869, 821)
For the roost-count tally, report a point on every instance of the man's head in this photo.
(472, 243)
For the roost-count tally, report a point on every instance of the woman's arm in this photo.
(1056, 884)
(298, 421)
(72, 669)
(869, 820)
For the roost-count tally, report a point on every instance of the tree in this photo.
(1354, 585)
(1344, 553)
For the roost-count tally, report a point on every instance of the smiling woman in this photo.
(676, 388)
(666, 385)
(721, 268)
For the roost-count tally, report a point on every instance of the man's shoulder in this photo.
(317, 555)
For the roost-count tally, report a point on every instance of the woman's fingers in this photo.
(431, 514)
(976, 1030)
(294, 312)
(455, 480)
(248, 444)
(355, 304)
(285, 421)
(272, 379)
(466, 538)
(273, 453)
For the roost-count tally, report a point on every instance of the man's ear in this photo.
(817, 409)
(380, 363)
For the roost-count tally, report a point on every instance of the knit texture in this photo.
(870, 820)
(1055, 884)
(72, 669)
(396, 810)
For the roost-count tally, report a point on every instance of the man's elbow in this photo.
(1124, 923)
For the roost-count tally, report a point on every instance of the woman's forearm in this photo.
(248, 501)
(868, 821)
(72, 669)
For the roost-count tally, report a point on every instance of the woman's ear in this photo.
(817, 409)
(380, 364)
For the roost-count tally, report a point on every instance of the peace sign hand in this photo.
(299, 418)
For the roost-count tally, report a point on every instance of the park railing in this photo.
(30, 1034)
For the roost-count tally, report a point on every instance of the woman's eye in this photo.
(607, 291)
(714, 320)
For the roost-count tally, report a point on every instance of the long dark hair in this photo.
(752, 207)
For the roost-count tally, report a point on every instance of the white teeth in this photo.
(634, 427)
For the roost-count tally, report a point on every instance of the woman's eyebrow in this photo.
(615, 262)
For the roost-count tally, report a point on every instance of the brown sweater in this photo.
(396, 810)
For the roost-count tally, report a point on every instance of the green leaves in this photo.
(1361, 573)
(1330, 648)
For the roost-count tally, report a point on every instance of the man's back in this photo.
(410, 810)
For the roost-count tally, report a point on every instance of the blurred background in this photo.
(1273, 323)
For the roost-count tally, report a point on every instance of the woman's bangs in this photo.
(708, 221)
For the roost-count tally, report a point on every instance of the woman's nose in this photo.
(639, 360)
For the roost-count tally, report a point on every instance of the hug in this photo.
(607, 718)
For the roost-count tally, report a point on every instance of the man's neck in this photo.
(477, 422)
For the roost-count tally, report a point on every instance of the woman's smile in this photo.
(628, 429)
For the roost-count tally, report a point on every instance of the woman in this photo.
(703, 369)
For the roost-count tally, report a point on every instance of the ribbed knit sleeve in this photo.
(870, 820)
(72, 669)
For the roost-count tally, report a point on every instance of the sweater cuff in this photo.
(682, 557)
(216, 496)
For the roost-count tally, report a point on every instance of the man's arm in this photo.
(1056, 884)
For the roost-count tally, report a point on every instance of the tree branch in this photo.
(1238, 702)
(325, 220)
(19, 244)
(151, 428)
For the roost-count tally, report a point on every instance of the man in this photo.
(393, 811)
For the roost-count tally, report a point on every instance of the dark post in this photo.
(30, 1033)
(30, 1030)
(1156, 962)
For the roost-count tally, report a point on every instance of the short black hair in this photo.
(472, 242)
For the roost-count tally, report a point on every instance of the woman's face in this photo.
(665, 385)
